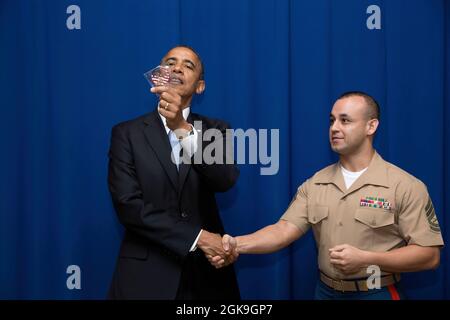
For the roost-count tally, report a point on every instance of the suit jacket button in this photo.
(184, 214)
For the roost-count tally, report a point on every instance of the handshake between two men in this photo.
(220, 251)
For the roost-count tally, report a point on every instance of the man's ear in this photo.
(372, 126)
(201, 85)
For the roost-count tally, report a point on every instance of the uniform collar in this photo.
(376, 174)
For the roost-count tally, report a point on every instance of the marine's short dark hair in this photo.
(373, 108)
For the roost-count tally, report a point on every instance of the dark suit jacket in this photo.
(163, 211)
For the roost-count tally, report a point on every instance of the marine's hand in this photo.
(347, 258)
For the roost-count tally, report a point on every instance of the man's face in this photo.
(349, 125)
(185, 70)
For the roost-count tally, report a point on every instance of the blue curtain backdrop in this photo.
(270, 64)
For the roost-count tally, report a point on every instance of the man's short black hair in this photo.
(373, 109)
(202, 70)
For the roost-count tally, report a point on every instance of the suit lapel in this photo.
(159, 141)
(185, 168)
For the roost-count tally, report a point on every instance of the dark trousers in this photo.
(198, 282)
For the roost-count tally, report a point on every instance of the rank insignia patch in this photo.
(431, 217)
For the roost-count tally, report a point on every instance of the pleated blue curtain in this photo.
(270, 64)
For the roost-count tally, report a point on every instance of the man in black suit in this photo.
(167, 206)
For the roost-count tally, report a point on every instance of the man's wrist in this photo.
(240, 246)
(368, 258)
(201, 241)
(185, 130)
